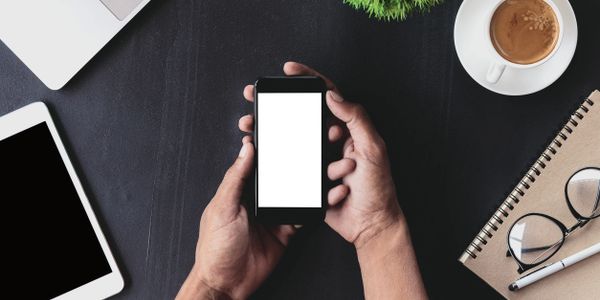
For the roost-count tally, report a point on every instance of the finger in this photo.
(337, 194)
(232, 185)
(246, 123)
(355, 117)
(291, 68)
(283, 233)
(340, 168)
(348, 147)
(247, 139)
(335, 133)
(249, 93)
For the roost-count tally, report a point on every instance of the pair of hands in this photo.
(234, 256)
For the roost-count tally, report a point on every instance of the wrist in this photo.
(386, 238)
(195, 287)
(384, 222)
(388, 259)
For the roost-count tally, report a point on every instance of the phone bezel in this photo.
(291, 84)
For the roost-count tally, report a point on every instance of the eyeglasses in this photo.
(536, 237)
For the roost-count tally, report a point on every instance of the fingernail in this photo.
(298, 226)
(335, 96)
(243, 150)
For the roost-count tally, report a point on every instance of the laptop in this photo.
(56, 38)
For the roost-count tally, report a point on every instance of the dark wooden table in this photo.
(151, 124)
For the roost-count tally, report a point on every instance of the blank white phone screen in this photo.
(289, 150)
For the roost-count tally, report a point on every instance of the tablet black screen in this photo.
(47, 238)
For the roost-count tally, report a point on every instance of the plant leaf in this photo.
(392, 9)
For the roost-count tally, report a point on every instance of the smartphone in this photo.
(290, 138)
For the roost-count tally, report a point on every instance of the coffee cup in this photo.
(521, 34)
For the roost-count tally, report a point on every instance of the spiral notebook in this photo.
(541, 189)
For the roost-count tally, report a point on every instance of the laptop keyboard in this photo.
(121, 8)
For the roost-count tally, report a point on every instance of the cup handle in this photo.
(495, 71)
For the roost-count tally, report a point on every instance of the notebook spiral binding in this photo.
(525, 183)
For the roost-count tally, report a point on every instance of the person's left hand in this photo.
(233, 255)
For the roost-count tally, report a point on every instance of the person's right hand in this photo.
(371, 205)
(365, 204)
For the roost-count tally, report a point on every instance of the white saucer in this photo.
(475, 58)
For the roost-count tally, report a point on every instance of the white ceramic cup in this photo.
(498, 63)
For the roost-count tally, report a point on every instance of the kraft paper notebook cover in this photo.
(576, 146)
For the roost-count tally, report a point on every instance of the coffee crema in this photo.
(524, 31)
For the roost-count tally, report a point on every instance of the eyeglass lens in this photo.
(534, 238)
(583, 192)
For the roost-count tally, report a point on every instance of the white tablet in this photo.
(53, 247)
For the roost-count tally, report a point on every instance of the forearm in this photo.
(195, 289)
(389, 267)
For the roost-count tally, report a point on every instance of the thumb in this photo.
(354, 116)
(233, 183)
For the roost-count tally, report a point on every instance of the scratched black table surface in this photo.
(151, 124)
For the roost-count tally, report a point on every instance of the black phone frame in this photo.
(291, 84)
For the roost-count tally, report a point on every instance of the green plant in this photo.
(392, 9)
